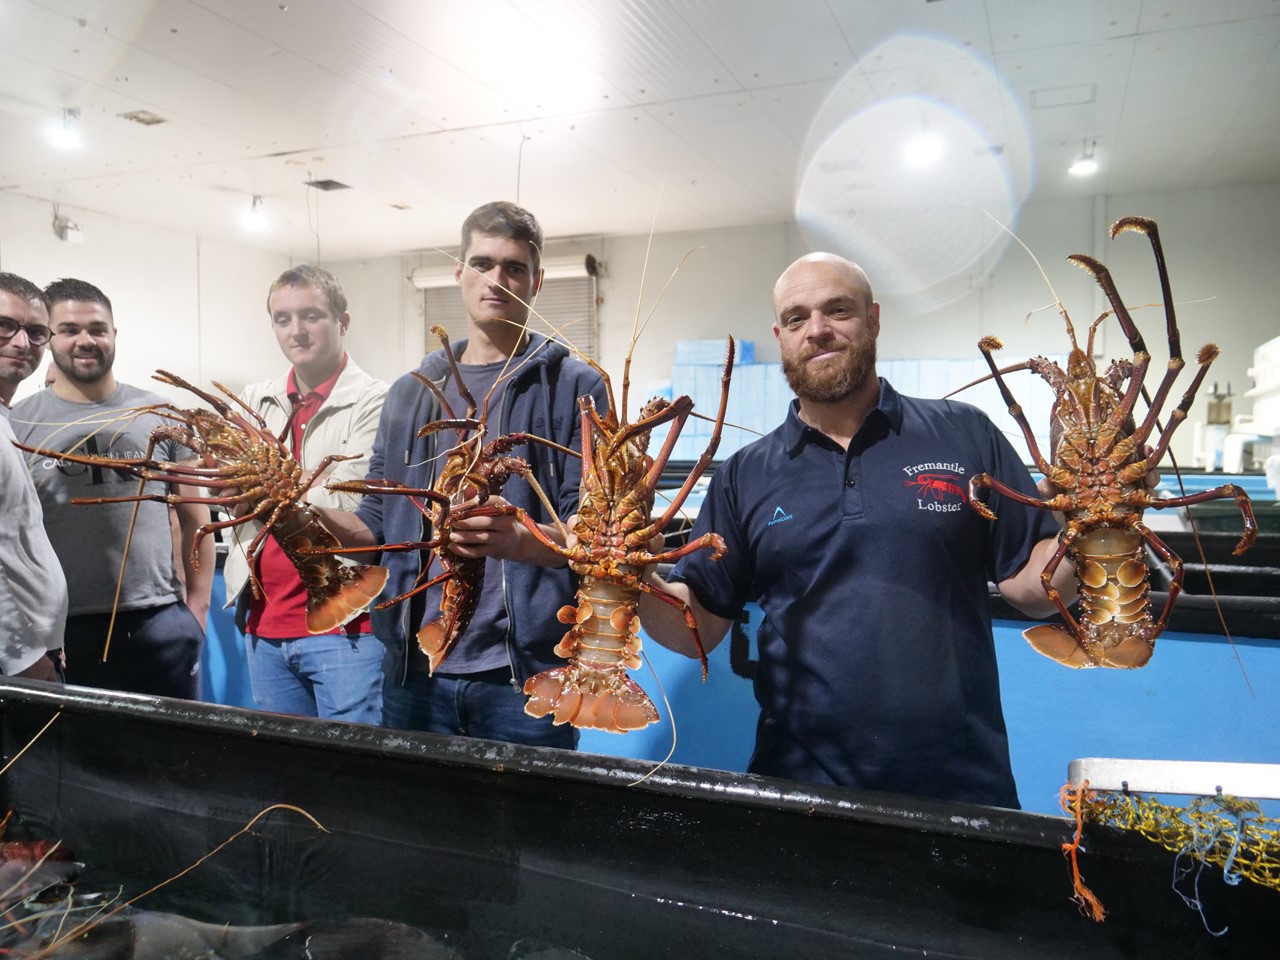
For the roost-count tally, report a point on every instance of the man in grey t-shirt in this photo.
(159, 601)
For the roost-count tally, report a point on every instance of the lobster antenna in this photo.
(661, 294)
(124, 416)
(124, 559)
(81, 929)
(5, 768)
(636, 325)
(1012, 368)
(670, 713)
(737, 426)
(1057, 301)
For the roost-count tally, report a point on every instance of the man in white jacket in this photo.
(330, 407)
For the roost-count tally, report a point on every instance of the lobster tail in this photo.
(606, 700)
(337, 592)
(458, 601)
(346, 592)
(1116, 628)
(594, 690)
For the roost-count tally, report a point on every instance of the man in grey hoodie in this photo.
(476, 690)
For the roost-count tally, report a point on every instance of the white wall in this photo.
(197, 307)
(190, 306)
(386, 336)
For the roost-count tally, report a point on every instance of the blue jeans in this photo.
(332, 676)
(484, 705)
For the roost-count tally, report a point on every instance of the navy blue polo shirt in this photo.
(877, 664)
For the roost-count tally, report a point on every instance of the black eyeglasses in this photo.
(37, 333)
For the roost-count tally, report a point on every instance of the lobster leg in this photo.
(1220, 493)
(1138, 469)
(678, 410)
(708, 541)
(1121, 414)
(689, 620)
(984, 481)
(988, 345)
(704, 460)
(1175, 566)
(389, 486)
(1053, 641)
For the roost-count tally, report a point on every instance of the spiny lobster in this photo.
(612, 530)
(1099, 468)
(235, 453)
(473, 471)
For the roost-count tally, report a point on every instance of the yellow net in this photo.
(1224, 831)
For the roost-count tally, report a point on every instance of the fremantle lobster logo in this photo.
(933, 489)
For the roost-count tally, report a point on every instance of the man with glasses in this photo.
(151, 614)
(24, 330)
(33, 590)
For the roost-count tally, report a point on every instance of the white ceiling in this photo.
(734, 111)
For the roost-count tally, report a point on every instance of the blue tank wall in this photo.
(1194, 701)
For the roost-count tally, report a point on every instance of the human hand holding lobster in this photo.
(497, 532)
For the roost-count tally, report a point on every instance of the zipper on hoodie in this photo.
(508, 400)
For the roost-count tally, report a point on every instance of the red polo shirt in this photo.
(283, 614)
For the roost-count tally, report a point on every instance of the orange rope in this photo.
(1073, 802)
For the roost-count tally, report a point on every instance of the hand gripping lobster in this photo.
(238, 455)
(1099, 468)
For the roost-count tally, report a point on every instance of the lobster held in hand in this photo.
(473, 472)
(612, 531)
(1098, 469)
(249, 470)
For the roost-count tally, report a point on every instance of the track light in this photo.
(66, 135)
(1086, 165)
(66, 229)
(255, 218)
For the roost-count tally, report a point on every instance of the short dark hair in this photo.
(78, 291)
(24, 288)
(308, 275)
(504, 219)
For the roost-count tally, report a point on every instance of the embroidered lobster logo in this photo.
(937, 485)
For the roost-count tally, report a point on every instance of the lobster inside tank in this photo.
(493, 850)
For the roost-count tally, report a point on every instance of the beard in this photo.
(79, 374)
(15, 369)
(836, 377)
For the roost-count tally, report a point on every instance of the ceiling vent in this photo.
(144, 117)
(327, 185)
